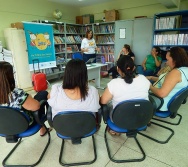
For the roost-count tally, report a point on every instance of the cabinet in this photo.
(171, 29)
(104, 34)
(16, 42)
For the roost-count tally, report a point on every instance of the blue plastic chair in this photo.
(14, 125)
(77, 56)
(173, 107)
(74, 125)
(128, 117)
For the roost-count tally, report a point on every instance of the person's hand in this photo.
(154, 55)
(144, 68)
(97, 49)
(151, 86)
(86, 50)
(149, 77)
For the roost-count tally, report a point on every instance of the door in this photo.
(142, 38)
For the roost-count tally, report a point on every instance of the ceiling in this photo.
(80, 3)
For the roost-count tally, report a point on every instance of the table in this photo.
(94, 73)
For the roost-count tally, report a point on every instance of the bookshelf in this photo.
(171, 29)
(104, 34)
(60, 49)
(68, 38)
(73, 35)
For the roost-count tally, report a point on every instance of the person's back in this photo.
(122, 91)
(60, 101)
(128, 86)
(74, 94)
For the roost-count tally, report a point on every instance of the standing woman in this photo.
(88, 46)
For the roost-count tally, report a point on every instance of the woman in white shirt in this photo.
(129, 86)
(74, 94)
(88, 46)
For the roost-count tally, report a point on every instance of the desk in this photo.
(94, 73)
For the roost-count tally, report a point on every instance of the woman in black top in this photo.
(126, 51)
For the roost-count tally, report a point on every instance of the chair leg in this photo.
(126, 160)
(40, 158)
(158, 141)
(77, 163)
(179, 120)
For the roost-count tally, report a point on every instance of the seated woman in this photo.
(14, 97)
(170, 83)
(126, 51)
(152, 62)
(129, 86)
(74, 93)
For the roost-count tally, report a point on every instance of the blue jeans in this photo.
(148, 72)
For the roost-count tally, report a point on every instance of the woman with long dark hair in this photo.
(17, 98)
(74, 93)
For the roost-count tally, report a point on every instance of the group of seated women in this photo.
(75, 93)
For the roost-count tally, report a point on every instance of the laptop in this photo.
(91, 60)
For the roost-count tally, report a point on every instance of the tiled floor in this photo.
(173, 154)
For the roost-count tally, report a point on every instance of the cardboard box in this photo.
(79, 20)
(18, 25)
(111, 15)
(87, 19)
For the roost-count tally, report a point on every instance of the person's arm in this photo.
(106, 96)
(31, 104)
(48, 95)
(83, 47)
(121, 52)
(169, 83)
(132, 55)
(133, 58)
(144, 64)
(157, 62)
(152, 78)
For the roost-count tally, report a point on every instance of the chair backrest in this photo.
(176, 101)
(77, 56)
(74, 124)
(132, 114)
(12, 121)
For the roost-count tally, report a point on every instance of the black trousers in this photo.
(42, 95)
(114, 72)
(86, 57)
